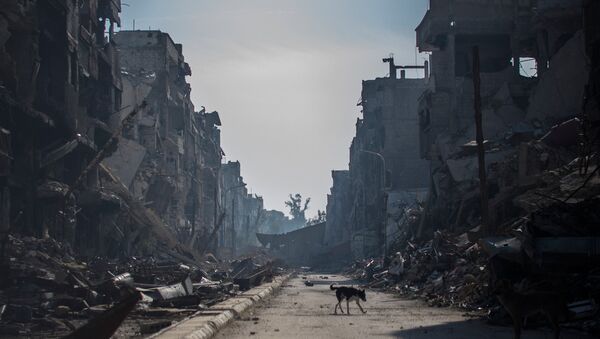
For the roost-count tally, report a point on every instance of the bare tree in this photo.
(297, 209)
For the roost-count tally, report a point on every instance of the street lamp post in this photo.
(383, 168)
(384, 188)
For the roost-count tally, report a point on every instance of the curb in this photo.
(206, 323)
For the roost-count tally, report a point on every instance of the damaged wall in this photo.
(518, 104)
(243, 212)
(180, 148)
(60, 86)
(67, 105)
(382, 159)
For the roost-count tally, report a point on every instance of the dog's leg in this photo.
(335, 309)
(348, 306)
(361, 309)
(339, 304)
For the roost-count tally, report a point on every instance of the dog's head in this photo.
(362, 295)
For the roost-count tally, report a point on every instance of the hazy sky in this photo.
(285, 77)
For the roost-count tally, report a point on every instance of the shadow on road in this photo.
(476, 329)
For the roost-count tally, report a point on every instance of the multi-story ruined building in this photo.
(518, 41)
(448, 31)
(97, 130)
(533, 71)
(243, 212)
(171, 155)
(339, 206)
(385, 166)
(60, 87)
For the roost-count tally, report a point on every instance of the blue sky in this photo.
(285, 77)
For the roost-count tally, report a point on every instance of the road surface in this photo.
(299, 311)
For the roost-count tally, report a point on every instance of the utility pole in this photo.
(485, 217)
(383, 167)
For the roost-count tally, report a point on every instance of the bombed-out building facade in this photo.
(104, 161)
(414, 164)
(170, 156)
(244, 212)
(89, 103)
(533, 72)
(483, 168)
(385, 168)
(60, 86)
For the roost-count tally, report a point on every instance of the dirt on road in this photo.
(300, 311)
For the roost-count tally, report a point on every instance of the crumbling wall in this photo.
(178, 176)
(60, 86)
(243, 212)
(559, 92)
(339, 208)
(383, 159)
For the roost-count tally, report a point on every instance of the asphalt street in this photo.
(299, 311)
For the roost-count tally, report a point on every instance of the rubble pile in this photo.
(448, 270)
(47, 291)
(550, 245)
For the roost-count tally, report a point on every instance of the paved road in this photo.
(298, 311)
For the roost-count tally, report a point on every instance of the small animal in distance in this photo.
(349, 294)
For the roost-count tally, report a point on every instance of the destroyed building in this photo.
(385, 167)
(110, 179)
(515, 204)
(170, 156)
(339, 203)
(243, 212)
(532, 71)
(61, 86)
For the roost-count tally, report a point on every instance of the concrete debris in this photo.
(45, 282)
(444, 271)
(552, 247)
(105, 325)
(246, 273)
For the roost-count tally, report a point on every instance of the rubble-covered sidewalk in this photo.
(48, 292)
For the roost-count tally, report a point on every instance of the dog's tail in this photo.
(332, 288)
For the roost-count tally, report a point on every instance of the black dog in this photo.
(348, 293)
